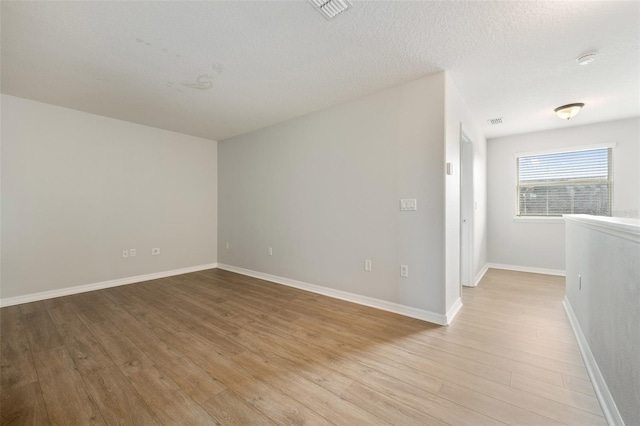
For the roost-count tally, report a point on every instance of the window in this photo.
(576, 182)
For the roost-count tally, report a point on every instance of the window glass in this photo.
(577, 182)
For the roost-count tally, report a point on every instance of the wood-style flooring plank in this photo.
(196, 382)
(485, 342)
(578, 385)
(87, 353)
(215, 347)
(401, 391)
(65, 395)
(167, 400)
(229, 409)
(117, 400)
(329, 405)
(490, 406)
(17, 367)
(393, 411)
(523, 368)
(41, 331)
(32, 307)
(556, 393)
(276, 405)
(23, 405)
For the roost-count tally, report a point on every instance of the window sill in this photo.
(539, 219)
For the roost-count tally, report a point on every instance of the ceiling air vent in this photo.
(493, 121)
(330, 8)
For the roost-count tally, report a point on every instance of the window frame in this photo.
(558, 219)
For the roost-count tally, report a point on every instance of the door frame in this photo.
(467, 207)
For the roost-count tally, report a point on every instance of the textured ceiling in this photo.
(219, 69)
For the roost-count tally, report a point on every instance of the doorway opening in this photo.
(466, 211)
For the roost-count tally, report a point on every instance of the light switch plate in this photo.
(407, 204)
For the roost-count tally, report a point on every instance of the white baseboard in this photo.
(408, 311)
(609, 408)
(544, 271)
(480, 275)
(34, 297)
(453, 311)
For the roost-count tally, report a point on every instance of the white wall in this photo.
(536, 244)
(79, 188)
(481, 204)
(605, 253)
(457, 116)
(323, 190)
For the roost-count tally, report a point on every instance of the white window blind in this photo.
(577, 182)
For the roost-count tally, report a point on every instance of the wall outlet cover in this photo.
(367, 265)
(404, 271)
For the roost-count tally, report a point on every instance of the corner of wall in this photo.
(459, 119)
(86, 187)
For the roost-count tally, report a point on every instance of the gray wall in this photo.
(538, 244)
(323, 190)
(607, 308)
(78, 188)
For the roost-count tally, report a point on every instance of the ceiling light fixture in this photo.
(330, 8)
(567, 112)
(587, 58)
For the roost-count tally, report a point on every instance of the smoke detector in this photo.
(494, 121)
(331, 8)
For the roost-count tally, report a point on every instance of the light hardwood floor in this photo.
(215, 347)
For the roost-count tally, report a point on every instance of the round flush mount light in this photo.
(587, 58)
(567, 112)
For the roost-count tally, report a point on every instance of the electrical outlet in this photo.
(367, 265)
(270, 251)
(125, 253)
(155, 251)
(132, 252)
(404, 271)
